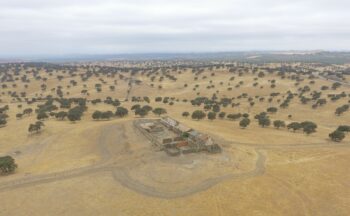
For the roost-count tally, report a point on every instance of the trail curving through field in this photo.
(122, 176)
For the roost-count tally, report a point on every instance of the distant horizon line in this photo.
(249, 55)
(172, 52)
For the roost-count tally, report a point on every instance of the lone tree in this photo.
(234, 116)
(337, 136)
(73, 117)
(264, 122)
(107, 115)
(135, 107)
(7, 165)
(42, 116)
(96, 115)
(342, 109)
(222, 115)
(216, 108)
(211, 116)
(308, 127)
(159, 111)
(75, 113)
(61, 115)
(279, 124)
(244, 122)
(121, 112)
(3, 122)
(18, 116)
(198, 114)
(344, 128)
(272, 109)
(142, 112)
(28, 111)
(37, 127)
(185, 114)
(294, 126)
(148, 108)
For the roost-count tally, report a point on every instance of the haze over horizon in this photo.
(36, 28)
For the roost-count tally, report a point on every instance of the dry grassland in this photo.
(109, 168)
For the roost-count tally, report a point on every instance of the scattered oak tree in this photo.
(279, 124)
(121, 112)
(7, 165)
(272, 110)
(36, 128)
(222, 115)
(244, 122)
(294, 126)
(198, 114)
(61, 115)
(142, 112)
(337, 136)
(308, 127)
(264, 122)
(159, 111)
(185, 114)
(3, 122)
(42, 116)
(211, 116)
(344, 128)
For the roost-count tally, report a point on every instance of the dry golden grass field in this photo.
(107, 167)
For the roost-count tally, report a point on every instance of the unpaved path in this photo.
(121, 175)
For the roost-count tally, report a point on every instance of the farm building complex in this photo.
(175, 138)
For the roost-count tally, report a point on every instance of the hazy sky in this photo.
(59, 27)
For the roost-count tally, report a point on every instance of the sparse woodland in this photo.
(282, 127)
(239, 92)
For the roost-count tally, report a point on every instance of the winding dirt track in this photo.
(122, 177)
(115, 163)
